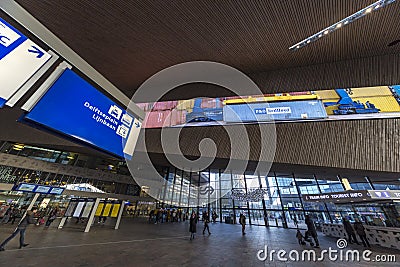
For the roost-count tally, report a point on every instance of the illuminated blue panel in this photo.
(76, 109)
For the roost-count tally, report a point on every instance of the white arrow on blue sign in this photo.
(132, 139)
(20, 58)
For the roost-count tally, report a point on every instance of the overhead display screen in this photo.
(321, 105)
(26, 187)
(42, 189)
(74, 108)
(56, 190)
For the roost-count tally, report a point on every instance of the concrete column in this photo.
(91, 216)
(121, 210)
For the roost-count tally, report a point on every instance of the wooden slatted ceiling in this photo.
(128, 41)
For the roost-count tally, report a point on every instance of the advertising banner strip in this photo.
(20, 59)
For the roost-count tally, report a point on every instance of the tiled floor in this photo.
(138, 243)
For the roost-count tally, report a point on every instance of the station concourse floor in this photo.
(138, 243)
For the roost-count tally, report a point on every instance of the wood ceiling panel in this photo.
(128, 41)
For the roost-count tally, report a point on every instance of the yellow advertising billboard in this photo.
(107, 209)
(115, 210)
(99, 209)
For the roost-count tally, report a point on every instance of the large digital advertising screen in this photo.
(320, 105)
(74, 108)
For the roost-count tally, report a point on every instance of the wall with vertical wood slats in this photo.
(354, 144)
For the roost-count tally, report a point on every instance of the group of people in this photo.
(167, 215)
(11, 214)
(350, 231)
(194, 218)
(193, 223)
(310, 233)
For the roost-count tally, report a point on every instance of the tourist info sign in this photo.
(20, 59)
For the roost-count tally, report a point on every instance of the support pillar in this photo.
(121, 210)
(91, 216)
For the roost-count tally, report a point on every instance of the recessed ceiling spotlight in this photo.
(320, 35)
(346, 21)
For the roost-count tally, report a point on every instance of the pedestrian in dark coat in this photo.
(206, 219)
(350, 231)
(242, 221)
(359, 227)
(52, 217)
(311, 230)
(192, 225)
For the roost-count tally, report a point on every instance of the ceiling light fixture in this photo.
(344, 22)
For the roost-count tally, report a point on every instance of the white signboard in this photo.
(133, 137)
(279, 110)
(20, 59)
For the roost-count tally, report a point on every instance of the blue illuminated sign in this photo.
(78, 110)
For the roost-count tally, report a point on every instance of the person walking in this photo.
(206, 219)
(7, 215)
(242, 221)
(359, 227)
(350, 231)
(214, 216)
(52, 217)
(21, 228)
(16, 213)
(295, 221)
(311, 230)
(192, 224)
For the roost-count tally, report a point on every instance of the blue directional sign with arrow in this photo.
(37, 51)
(20, 58)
